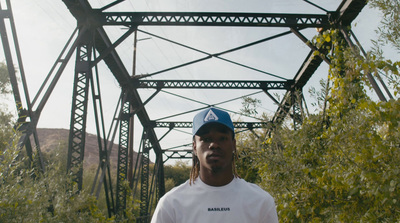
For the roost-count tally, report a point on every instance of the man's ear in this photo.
(194, 146)
(234, 146)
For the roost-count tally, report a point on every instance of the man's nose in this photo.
(214, 144)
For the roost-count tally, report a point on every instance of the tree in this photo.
(389, 30)
(176, 174)
(6, 117)
(28, 195)
(388, 35)
(5, 87)
(341, 165)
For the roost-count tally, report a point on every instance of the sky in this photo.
(44, 26)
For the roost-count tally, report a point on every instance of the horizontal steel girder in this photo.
(178, 154)
(187, 153)
(249, 125)
(215, 19)
(224, 84)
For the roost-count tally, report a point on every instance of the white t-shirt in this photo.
(238, 201)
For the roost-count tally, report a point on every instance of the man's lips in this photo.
(214, 155)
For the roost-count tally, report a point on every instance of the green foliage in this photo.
(388, 36)
(5, 87)
(389, 30)
(346, 172)
(249, 105)
(176, 174)
(342, 164)
(6, 117)
(6, 131)
(29, 196)
(320, 96)
(132, 209)
(246, 159)
(245, 165)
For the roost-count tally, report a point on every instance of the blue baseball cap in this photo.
(211, 115)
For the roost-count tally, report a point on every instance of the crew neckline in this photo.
(201, 182)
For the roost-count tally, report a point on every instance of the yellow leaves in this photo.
(327, 38)
(348, 164)
(363, 105)
(268, 141)
(365, 66)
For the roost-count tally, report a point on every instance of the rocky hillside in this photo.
(51, 139)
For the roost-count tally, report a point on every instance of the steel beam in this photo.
(214, 19)
(348, 10)
(224, 84)
(344, 15)
(96, 18)
(178, 154)
(122, 167)
(160, 180)
(77, 131)
(82, 12)
(144, 178)
(237, 125)
(27, 119)
(187, 154)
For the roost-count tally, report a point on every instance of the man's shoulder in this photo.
(252, 189)
(182, 188)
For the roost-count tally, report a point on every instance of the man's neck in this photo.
(216, 179)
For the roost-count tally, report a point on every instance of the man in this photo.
(215, 193)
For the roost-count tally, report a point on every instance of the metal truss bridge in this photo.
(91, 44)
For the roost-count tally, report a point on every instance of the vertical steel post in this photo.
(122, 171)
(297, 109)
(132, 121)
(144, 178)
(160, 177)
(77, 133)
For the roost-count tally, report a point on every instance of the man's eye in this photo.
(224, 138)
(207, 140)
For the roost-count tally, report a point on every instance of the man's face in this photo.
(214, 146)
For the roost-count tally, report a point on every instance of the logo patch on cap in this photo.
(210, 116)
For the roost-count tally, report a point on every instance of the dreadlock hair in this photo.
(194, 172)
